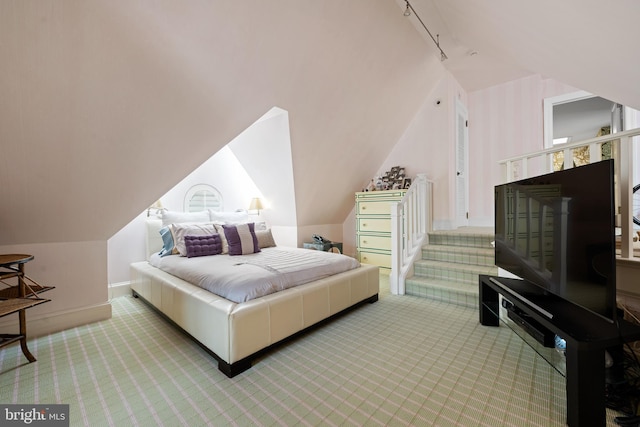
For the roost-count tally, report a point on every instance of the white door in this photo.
(462, 165)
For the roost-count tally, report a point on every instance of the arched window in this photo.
(201, 197)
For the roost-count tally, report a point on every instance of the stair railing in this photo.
(411, 221)
(521, 167)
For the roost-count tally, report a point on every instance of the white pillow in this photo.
(239, 217)
(171, 217)
(178, 231)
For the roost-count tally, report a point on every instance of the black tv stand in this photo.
(541, 334)
(587, 336)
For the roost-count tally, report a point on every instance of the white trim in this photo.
(443, 224)
(548, 111)
(461, 142)
(119, 289)
(49, 323)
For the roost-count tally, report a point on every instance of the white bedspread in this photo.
(245, 277)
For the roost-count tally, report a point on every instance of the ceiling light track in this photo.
(436, 39)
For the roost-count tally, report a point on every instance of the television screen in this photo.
(558, 232)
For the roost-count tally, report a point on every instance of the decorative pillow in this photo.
(210, 244)
(179, 231)
(241, 238)
(225, 244)
(238, 217)
(171, 217)
(265, 239)
(167, 241)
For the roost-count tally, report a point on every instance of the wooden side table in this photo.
(18, 297)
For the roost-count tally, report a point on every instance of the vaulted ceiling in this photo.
(105, 105)
(590, 44)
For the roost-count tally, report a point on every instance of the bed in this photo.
(236, 333)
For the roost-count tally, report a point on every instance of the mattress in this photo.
(242, 278)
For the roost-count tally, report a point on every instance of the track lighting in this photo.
(436, 40)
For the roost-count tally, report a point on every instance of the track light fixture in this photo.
(436, 39)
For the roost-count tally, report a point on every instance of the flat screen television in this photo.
(557, 231)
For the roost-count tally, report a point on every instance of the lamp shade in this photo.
(256, 204)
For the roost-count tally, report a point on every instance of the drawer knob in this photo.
(365, 242)
(364, 225)
(364, 208)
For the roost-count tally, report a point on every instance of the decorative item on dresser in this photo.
(373, 226)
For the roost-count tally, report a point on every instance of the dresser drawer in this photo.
(382, 207)
(374, 242)
(372, 225)
(382, 260)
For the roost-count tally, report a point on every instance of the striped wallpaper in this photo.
(504, 121)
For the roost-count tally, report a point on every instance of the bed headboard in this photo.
(153, 238)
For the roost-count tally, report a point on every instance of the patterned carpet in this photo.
(401, 361)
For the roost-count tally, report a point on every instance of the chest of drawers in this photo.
(373, 226)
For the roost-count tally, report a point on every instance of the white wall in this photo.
(222, 170)
(79, 275)
(264, 151)
(267, 138)
(505, 120)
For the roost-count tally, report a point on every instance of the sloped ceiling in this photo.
(588, 44)
(105, 105)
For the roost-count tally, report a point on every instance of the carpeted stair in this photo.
(450, 265)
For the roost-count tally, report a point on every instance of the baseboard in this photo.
(442, 225)
(119, 289)
(481, 222)
(55, 322)
(450, 225)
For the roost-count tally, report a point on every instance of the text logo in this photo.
(34, 415)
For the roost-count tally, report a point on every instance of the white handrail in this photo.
(624, 173)
(411, 220)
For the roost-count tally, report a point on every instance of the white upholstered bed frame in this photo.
(236, 333)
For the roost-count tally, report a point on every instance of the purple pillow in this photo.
(241, 238)
(203, 245)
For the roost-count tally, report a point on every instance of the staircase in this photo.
(450, 265)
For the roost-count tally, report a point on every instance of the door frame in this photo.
(461, 113)
(549, 103)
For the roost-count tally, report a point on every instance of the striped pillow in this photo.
(241, 239)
